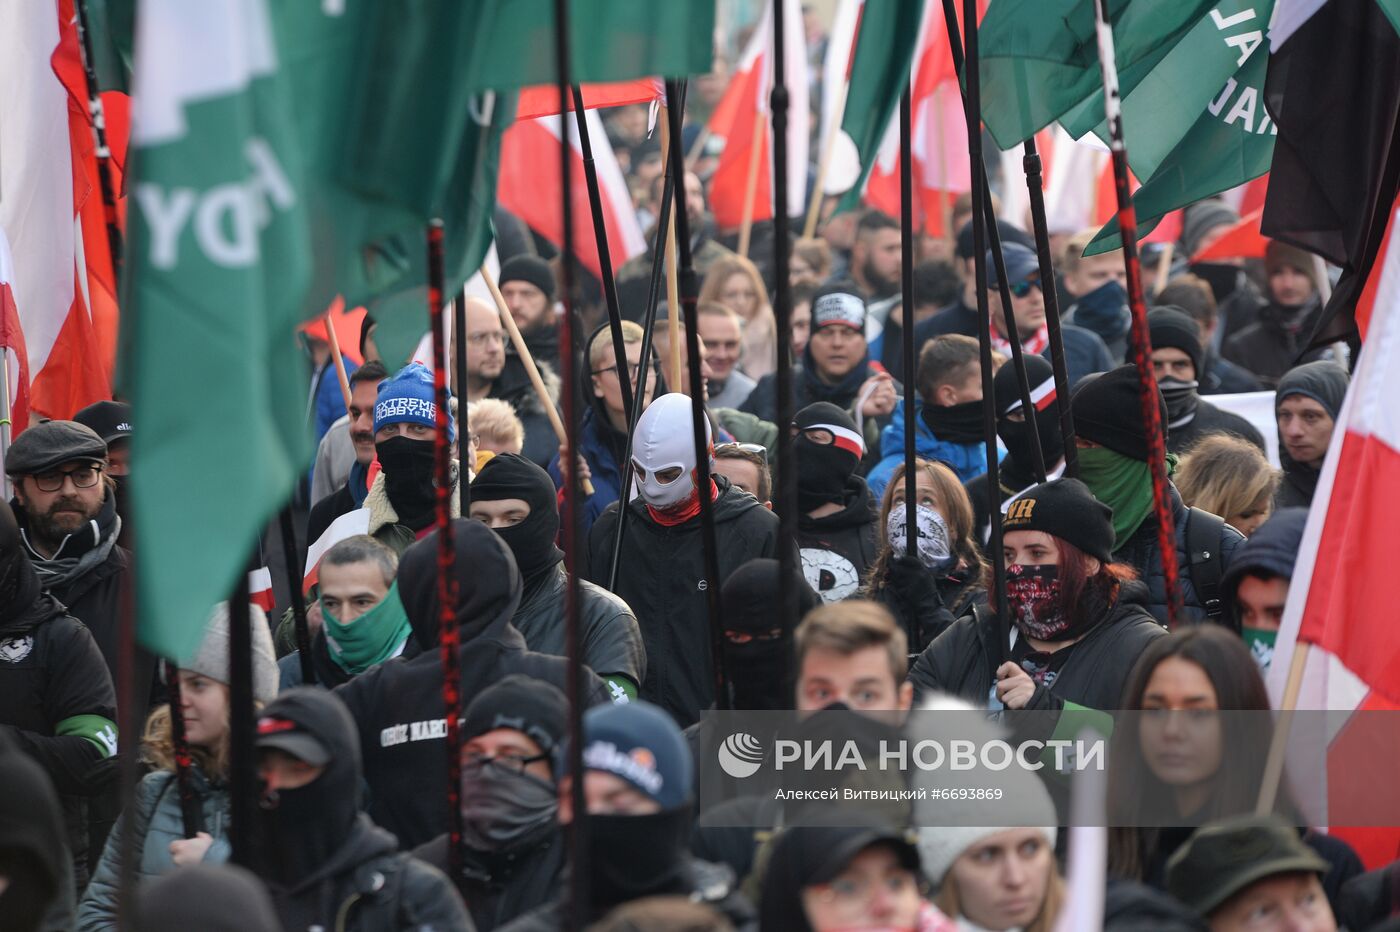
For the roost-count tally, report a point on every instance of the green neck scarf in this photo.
(370, 639)
(1123, 484)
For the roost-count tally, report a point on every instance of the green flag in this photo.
(1040, 58)
(219, 268)
(880, 63)
(111, 24)
(1230, 142)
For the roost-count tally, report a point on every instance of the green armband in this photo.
(1074, 720)
(100, 731)
(621, 689)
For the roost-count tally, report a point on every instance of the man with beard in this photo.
(876, 256)
(949, 426)
(324, 862)
(1278, 338)
(492, 372)
(111, 420)
(638, 786)
(347, 449)
(1306, 406)
(662, 557)
(1177, 359)
(1016, 473)
(516, 499)
(527, 284)
(836, 531)
(397, 705)
(56, 697)
(512, 850)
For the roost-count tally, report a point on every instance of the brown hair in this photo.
(1074, 251)
(950, 902)
(158, 746)
(732, 451)
(1225, 475)
(719, 272)
(816, 253)
(1192, 294)
(953, 505)
(947, 359)
(849, 627)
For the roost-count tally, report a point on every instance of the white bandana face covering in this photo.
(665, 440)
(934, 549)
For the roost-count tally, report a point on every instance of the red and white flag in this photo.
(529, 187)
(12, 343)
(543, 99)
(1339, 603)
(347, 525)
(743, 120)
(260, 589)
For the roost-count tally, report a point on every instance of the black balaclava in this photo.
(408, 467)
(531, 542)
(19, 583)
(759, 668)
(1040, 375)
(824, 468)
(305, 827)
(488, 582)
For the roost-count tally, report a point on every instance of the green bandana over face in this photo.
(1123, 484)
(370, 639)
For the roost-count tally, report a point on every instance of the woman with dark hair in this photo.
(926, 593)
(1078, 620)
(1167, 771)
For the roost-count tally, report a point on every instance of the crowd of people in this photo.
(351, 750)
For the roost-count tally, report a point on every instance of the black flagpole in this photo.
(243, 784)
(131, 708)
(191, 812)
(99, 132)
(689, 289)
(577, 833)
(973, 112)
(782, 311)
(294, 580)
(906, 237)
(459, 374)
(600, 236)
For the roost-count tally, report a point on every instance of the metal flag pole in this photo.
(689, 289)
(102, 151)
(786, 499)
(459, 375)
(243, 781)
(294, 581)
(1142, 341)
(191, 813)
(906, 242)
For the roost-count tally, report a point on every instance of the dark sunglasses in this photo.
(1023, 287)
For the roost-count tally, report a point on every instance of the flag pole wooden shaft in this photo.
(533, 371)
(1273, 765)
(673, 288)
(340, 373)
(1164, 266)
(814, 207)
(751, 183)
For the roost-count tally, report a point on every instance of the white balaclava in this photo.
(665, 439)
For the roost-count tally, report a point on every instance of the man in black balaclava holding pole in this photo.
(516, 499)
(836, 531)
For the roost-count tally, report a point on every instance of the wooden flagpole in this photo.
(751, 184)
(673, 288)
(814, 207)
(339, 363)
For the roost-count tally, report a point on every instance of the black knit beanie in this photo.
(1173, 327)
(1065, 509)
(1108, 410)
(534, 707)
(532, 269)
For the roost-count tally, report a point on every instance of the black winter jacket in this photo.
(499, 889)
(662, 577)
(1276, 341)
(612, 642)
(838, 548)
(963, 660)
(925, 604)
(1211, 420)
(1143, 553)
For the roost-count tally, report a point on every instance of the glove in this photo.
(922, 603)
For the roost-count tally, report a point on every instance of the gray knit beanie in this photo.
(211, 659)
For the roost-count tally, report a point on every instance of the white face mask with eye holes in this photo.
(665, 443)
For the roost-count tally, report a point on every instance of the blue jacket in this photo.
(607, 476)
(1085, 353)
(330, 403)
(968, 460)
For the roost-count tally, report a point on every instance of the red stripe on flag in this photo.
(543, 99)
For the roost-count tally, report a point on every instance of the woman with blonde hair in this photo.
(155, 817)
(1229, 477)
(926, 593)
(734, 282)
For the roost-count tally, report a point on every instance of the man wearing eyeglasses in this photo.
(494, 373)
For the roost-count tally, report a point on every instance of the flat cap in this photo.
(52, 443)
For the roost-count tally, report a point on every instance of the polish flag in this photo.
(12, 343)
(1243, 240)
(51, 205)
(529, 187)
(260, 589)
(1339, 606)
(543, 99)
(743, 120)
(347, 525)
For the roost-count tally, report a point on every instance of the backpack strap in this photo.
(1206, 563)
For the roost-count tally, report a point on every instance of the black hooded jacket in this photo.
(1276, 341)
(962, 659)
(398, 705)
(500, 888)
(1326, 383)
(838, 548)
(33, 838)
(325, 863)
(662, 577)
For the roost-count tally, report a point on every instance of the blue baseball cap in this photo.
(1021, 264)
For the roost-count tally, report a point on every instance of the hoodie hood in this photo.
(488, 583)
(1272, 550)
(32, 832)
(21, 604)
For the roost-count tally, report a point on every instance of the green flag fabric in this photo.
(884, 53)
(1040, 58)
(219, 263)
(1230, 141)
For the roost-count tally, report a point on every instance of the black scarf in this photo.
(960, 423)
(633, 856)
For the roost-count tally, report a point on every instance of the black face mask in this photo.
(504, 811)
(637, 855)
(1223, 279)
(1020, 441)
(408, 477)
(303, 828)
(822, 471)
(955, 423)
(532, 544)
(758, 672)
(1181, 399)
